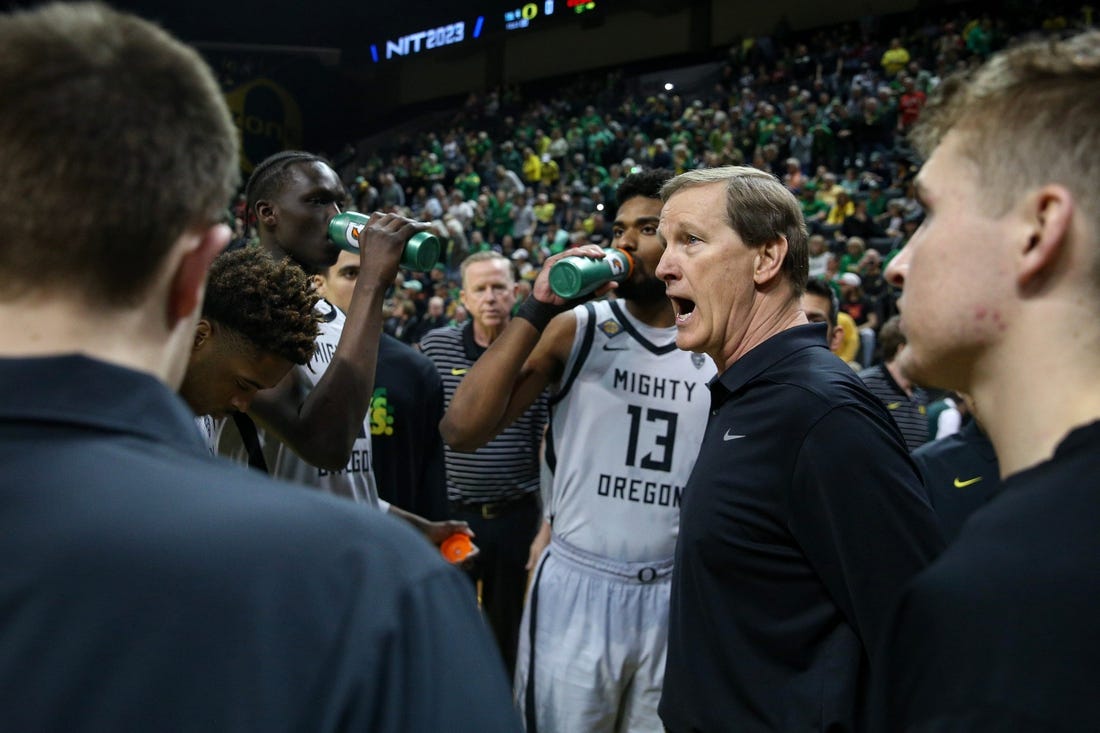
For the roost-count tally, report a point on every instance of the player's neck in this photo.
(269, 245)
(658, 314)
(1028, 406)
(131, 338)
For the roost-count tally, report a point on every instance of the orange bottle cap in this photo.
(456, 547)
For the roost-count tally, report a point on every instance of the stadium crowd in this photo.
(530, 171)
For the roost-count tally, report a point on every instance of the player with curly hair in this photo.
(258, 321)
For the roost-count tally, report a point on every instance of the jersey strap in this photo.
(251, 440)
(582, 354)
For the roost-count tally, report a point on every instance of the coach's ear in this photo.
(769, 260)
(1048, 216)
(196, 251)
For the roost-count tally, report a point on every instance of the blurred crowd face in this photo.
(489, 292)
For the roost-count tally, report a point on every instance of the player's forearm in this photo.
(331, 417)
(479, 407)
(419, 523)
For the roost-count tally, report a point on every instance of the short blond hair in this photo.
(115, 139)
(1028, 117)
(489, 255)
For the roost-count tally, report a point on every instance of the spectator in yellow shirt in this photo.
(895, 59)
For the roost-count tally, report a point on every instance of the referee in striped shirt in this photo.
(495, 488)
(906, 402)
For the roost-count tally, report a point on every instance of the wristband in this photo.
(537, 313)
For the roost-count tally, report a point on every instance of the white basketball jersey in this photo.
(210, 429)
(626, 423)
(356, 480)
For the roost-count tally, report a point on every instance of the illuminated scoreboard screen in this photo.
(524, 15)
(476, 28)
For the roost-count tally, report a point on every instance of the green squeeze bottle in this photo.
(572, 277)
(421, 251)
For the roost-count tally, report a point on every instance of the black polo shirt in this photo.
(960, 473)
(803, 518)
(910, 412)
(1000, 634)
(146, 585)
(505, 468)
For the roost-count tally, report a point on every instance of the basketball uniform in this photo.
(209, 428)
(626, 423)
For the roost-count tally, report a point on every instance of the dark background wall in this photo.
(303, 74)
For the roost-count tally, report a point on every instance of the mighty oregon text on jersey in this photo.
(626, 423)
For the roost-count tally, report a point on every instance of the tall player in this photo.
(628, 410)
(318, 413)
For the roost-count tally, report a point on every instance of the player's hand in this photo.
(541, 289)
(437, 532)
(381, 243)
(542, 539)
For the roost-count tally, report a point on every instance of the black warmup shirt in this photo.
(146, 585)
(960, 473)
(803, 518)
(1000, 634)
(405, 411)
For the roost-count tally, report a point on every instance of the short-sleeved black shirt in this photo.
(910, 412)
(146, 585)
(1000, 634)
(406, 408)
(960, 473)
(803, 518)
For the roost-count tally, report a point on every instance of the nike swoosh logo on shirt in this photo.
(969, 482)
(609, 347)
(893, 405)
(458, 372)
(728, 436)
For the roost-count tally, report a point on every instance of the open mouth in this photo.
(683, 308)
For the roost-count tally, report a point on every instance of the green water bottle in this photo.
(572, 277)
(421, 251)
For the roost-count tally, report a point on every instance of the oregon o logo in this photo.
(268, 118)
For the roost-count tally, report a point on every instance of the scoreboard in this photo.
(524, 15)
(475, 28)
